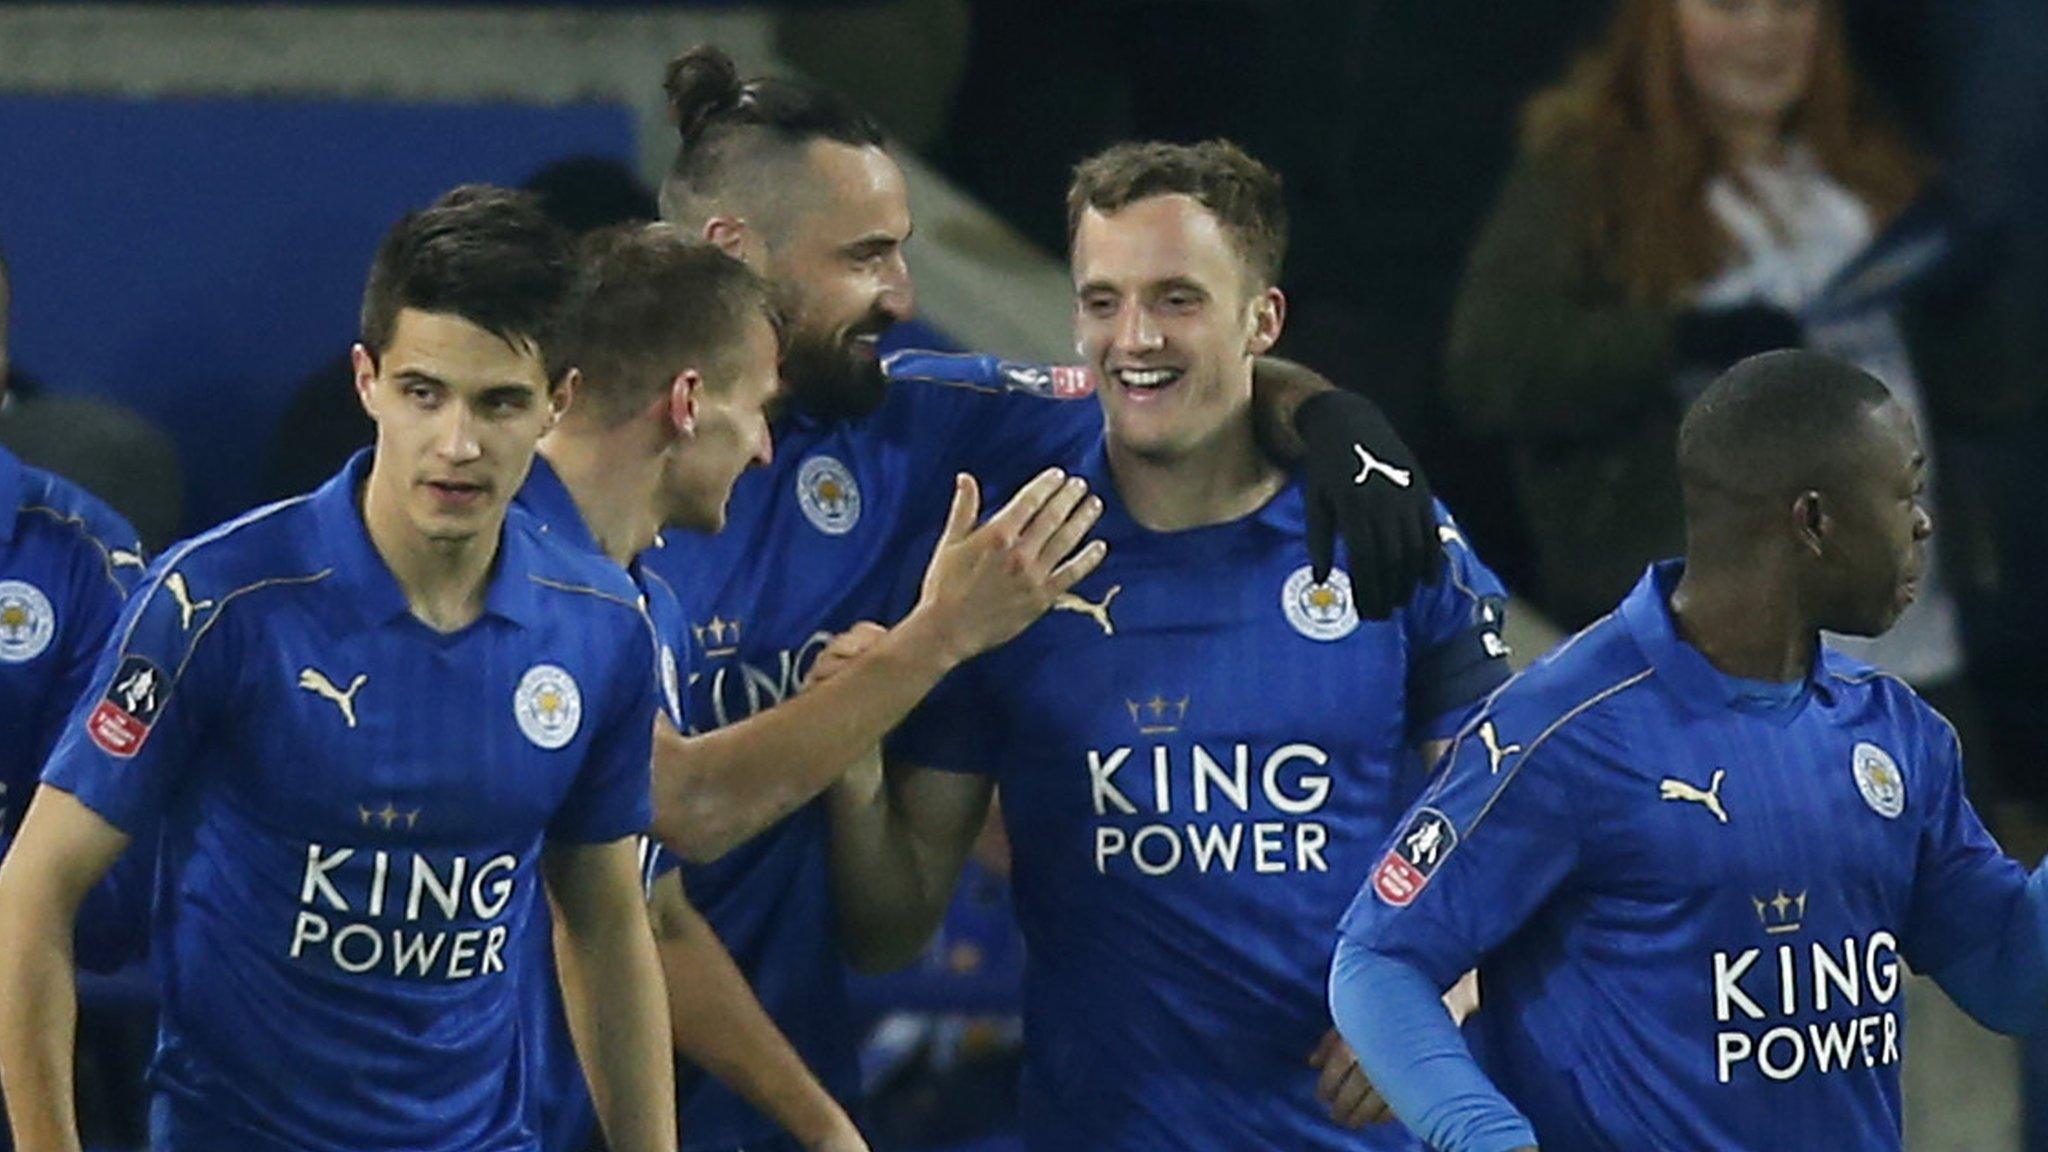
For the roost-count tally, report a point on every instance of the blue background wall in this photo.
(195, 259)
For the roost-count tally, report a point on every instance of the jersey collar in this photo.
(368, 586)
(548, 500)
(10, 493)
(1286, 513)
(1706, 689)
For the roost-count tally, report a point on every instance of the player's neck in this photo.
(1225, 479)
(613, 486)
(444, 581)
(1741, 625)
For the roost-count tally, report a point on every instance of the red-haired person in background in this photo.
(1712, 180)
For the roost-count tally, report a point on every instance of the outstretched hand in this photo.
(986, 584)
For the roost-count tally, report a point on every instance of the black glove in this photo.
(1363, 480)
(1713, 338)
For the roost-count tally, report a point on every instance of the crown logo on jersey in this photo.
(387, 817)
(1157, 716)
(1781, 913)
(718, 637)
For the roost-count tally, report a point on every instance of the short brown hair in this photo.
(646, 303)
(1243, 193)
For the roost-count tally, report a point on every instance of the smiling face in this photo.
(1169, 316)
(1749, 61)
(734, 403)
(839, 275)
(459, 411)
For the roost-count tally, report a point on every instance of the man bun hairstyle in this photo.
(726, 126)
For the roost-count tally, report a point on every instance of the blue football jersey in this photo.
(352, 809)
(1692, 901)
(559, 1096)
(1198, 750)
(814, 543)
(67, 561)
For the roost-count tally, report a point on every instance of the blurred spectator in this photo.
(325, 424)
(1711, 182)
(100, 446)
(1998, 122)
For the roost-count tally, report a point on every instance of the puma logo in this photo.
(1069, 602)
(1671, 789)
(315, 681)
(187, 607)
(122, 558)
(1368, 465)
(1494, 752)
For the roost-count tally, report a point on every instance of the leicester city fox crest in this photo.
(27, 622)
(1879, 779)
(828, 495)
(1322, 611)
(548, 706)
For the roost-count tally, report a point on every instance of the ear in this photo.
(682, 401)
(731, 235)
(1269, 315)
(364, 362)
(1812, 523)
(562, 395)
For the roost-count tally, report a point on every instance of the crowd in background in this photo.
(1530, 233)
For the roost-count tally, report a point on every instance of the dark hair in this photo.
(585, 193)
(1243, 193)
(482, 253)
(721, 118)
(646, 303)
(1774, 425)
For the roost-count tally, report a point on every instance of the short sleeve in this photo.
(1964, 888)
(98, 586)
(998, 420)
(161, 678)
(673, 647)
(1456, 654)
(1474, 859)
(612, 797)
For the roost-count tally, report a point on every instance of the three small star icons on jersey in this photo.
(187, 607)
(1781, 913)
(388, 817)
(718, 637)
(1709, 798)
(1157, 716)
(315, 681)
(1096, 611)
